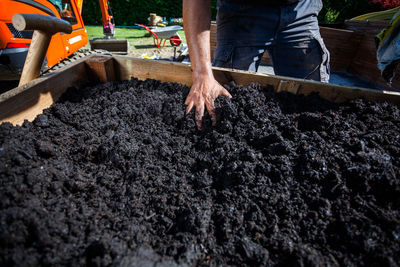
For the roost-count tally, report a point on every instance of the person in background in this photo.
(287, 29)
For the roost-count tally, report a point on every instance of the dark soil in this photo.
(116, 174)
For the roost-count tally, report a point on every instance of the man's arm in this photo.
(205, 89)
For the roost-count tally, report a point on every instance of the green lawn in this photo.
(138, 39)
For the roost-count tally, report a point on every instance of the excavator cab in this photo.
(14, 44)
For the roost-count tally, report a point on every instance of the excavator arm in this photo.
(106, 17)
(107, 43)
(108, 23)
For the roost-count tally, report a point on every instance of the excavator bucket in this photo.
(113, 46)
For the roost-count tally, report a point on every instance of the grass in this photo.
(138, 39)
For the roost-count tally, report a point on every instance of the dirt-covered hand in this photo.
(203, 92)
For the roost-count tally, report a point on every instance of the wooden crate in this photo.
(28, 101)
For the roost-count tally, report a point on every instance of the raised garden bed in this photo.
(116, 174)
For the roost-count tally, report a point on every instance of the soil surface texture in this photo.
(117, 175)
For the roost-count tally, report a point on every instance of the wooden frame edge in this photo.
(27, 101)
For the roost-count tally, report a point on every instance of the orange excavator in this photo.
(14, 44)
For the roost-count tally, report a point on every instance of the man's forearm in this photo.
(196, 19)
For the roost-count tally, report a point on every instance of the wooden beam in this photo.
(370, 27)
(289, 86)
(176, 72)
(364, 62)
(27, 101)
(342, 45)
(128, 67)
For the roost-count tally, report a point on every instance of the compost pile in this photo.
(116, 174)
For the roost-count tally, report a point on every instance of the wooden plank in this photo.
(342, 45)
(289, 86)
(370, 27)
(364, 64)
(27, 101)
(176, 72)
(128, 67)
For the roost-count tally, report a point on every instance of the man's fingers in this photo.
(202, 96)
(189, 107)
(199, 115)
(225, 92)
(213, 117)
(211, 110)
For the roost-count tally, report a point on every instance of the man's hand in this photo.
(203, 92)
(205, 89)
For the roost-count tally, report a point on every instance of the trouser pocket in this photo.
(305, 59)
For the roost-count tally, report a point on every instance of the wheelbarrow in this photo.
(163, 34)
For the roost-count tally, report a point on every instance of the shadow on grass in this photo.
(133, 37)
(144, 46)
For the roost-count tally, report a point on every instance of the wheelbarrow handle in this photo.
(145, 27)
(148, 29)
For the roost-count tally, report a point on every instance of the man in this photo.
(287, 29)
